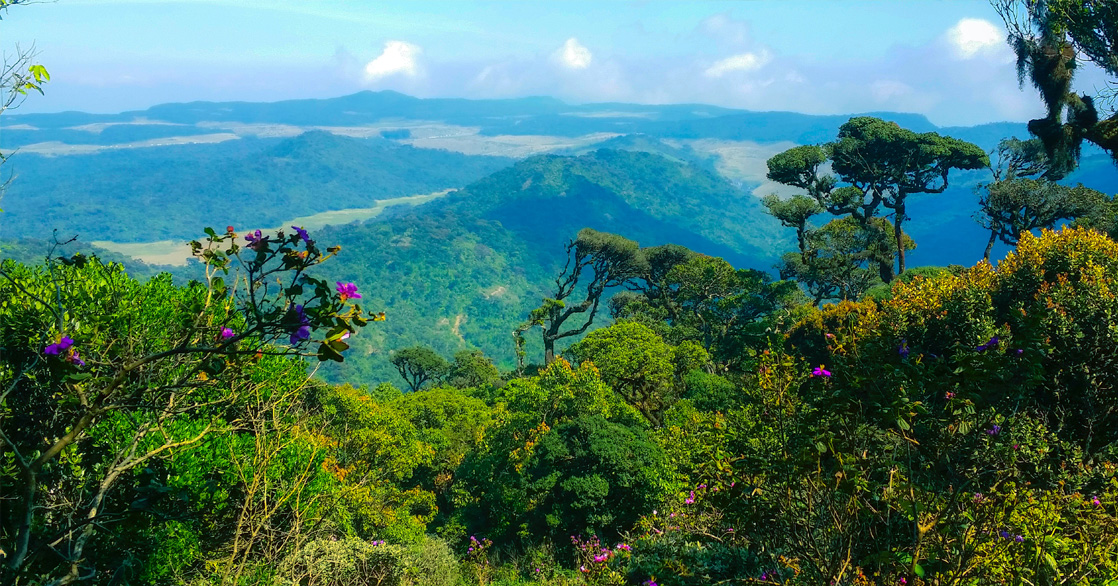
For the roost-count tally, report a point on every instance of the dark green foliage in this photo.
(1049, 38)
(472, 369)
(420, 366)
(591, 476)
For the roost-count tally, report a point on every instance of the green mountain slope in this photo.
(462, 271)
(132, 195)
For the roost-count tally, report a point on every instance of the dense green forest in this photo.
(142, 195)
(611, 365)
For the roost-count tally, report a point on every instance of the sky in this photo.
(947, 60)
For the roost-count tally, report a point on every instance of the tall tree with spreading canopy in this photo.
(600, 261)
(874, 165)
(420, 366)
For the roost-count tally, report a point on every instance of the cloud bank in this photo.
(398, 58)
(573, 55)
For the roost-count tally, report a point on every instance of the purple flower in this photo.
(1003, 534)
(301, 329)
(650, 583)
(59, 347)
(690, 499)
(303, 234)
(991, 343)
(820, 371)
(994, 429)
(1018, 352)
(75, 359)
(1019, 538)
(256, 240)
(348, 291)
(1095, 501)
(903, 349)
(226, 333)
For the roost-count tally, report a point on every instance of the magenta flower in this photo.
(75, 359)
(347, 291)
(1095, 501)
(226, 333)
(820, 371)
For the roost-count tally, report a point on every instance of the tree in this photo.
(610, 260)
(636, 363)
(1049, 38)
(420, 365)
(887, 164)
(793, 212)
(472, 368)
(844, 259)
(1012, 207)
(878, 165)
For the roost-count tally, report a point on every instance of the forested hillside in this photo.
(462, 271)
(148, 194)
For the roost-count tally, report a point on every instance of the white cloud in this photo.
(742, 62)
(397, 57)
(884, 90)
(972, 36)
(573, 55)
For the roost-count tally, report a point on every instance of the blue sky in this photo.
(947, 60)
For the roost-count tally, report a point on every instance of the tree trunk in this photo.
(548, 349)
(990, 246)
(898, 221)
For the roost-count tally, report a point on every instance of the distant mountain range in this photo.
(522, 116)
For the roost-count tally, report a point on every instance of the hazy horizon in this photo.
(945, 60)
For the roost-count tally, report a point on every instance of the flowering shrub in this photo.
(103, 379)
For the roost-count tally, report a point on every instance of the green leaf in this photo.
(918, 570)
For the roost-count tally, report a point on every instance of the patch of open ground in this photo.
(744, 161)
(177, 253)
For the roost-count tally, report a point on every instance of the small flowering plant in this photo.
(271, 273)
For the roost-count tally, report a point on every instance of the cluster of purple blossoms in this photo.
(903, 349)
(995, 429)
(381, 542)
(1008, 535)
(64, 349)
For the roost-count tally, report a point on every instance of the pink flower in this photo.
(347, 291)
(226, 333)
(820, 371)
